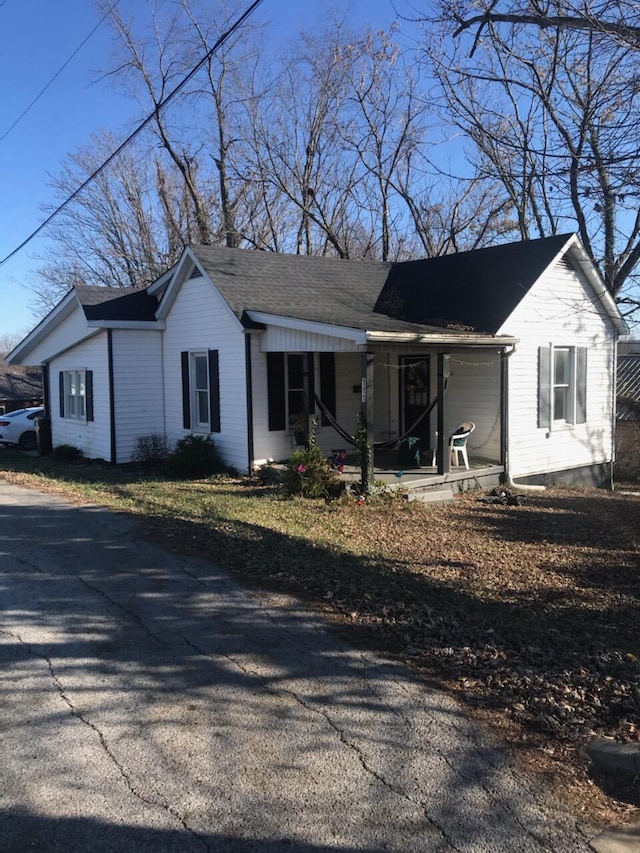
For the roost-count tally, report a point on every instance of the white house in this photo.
(244, 345)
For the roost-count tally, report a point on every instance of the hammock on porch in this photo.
(377, 445)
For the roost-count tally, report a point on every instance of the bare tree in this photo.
(122, 231)
(7, 343)
(323, 149)
(553, 114)
(297, 147)
(619, 21)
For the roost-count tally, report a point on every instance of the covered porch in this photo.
(397, 395)
(410, 402)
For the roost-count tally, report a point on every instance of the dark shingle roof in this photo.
(471, 291)
(305, 287)
(476, 290)
(116, 303)
(628, 390)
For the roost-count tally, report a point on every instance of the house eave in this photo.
(145, 325)
(601, 291)
(441, 340)
(180, 273)
(358, 336)
(57, 315)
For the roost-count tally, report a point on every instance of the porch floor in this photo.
(482, 473)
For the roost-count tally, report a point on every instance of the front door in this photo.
(414, 396)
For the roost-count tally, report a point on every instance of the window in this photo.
(76, 395)
(291, 388)
(562, 385)
(296, 406)
(200, 391)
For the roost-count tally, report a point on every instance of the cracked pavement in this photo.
(150, 703)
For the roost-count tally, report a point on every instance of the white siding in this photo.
(560, 309)
(199, 319)
(473, 394)
(72, 329)
(278, 339)
(267, 444)
(138, 391)
(92, 437)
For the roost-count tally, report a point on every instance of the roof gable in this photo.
(473, 291)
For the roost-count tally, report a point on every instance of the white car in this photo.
(19, 428)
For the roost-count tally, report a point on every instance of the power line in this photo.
(58, 72)
(223, 38)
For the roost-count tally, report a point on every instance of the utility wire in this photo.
(223, 38)
(58, 72)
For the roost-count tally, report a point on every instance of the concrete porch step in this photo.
(442, 495)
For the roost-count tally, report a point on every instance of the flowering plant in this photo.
(309, 473)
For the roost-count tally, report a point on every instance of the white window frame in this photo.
(575, 397)
(568, 388)
(200, 396)
(75, 395)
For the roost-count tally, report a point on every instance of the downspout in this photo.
(46, 389)
(249, 392)
(504, 405)
(112, 413)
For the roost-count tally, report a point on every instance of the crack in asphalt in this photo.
(410, 725)
(349, 744)
(156, 801)
(495, 765)
(131, 613)
(353, 747)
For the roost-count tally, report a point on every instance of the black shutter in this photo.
(311, 383)
(275, 391)
(88, 394)
(581, 385)
(61, 392)
(186, 393)
(544, 387)
(328, 384)
(214, 391)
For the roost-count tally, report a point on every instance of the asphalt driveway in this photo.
(150, 703)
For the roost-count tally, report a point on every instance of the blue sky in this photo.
(36, 38)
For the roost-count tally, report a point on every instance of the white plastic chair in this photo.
(458, 443)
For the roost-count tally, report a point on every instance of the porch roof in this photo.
(396, 334)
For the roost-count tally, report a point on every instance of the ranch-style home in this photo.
(246, 346)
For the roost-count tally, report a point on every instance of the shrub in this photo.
(67, 453)
(150, 450)
(195, 456)
(309, 474)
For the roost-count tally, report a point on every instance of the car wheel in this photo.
(28, 441)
